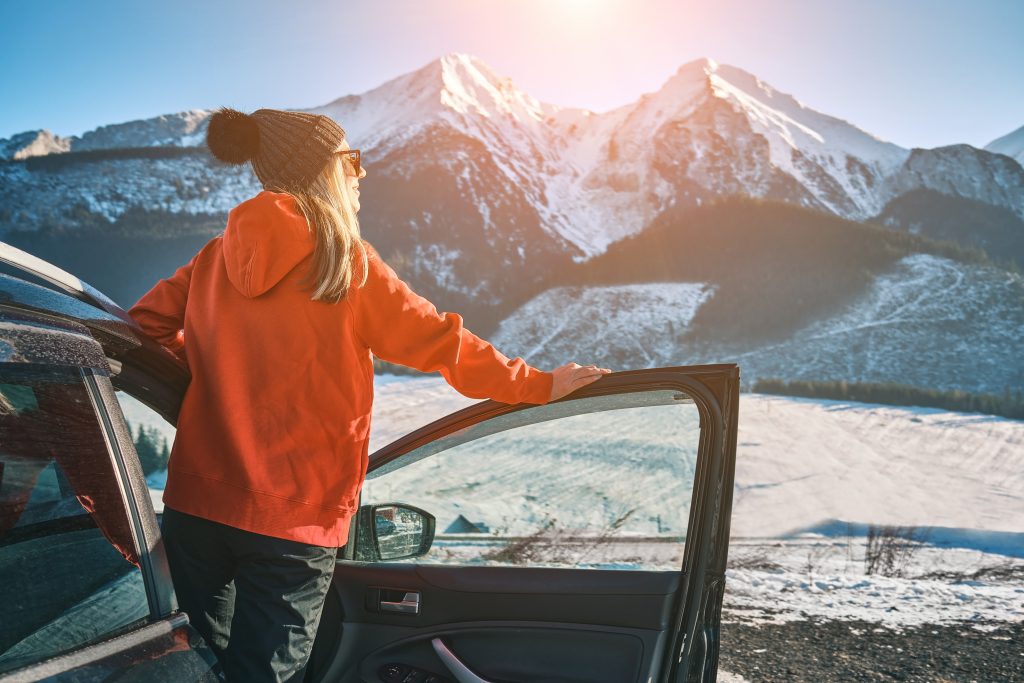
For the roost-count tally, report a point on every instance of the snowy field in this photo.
(812, 476)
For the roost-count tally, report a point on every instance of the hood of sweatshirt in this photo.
(266, 237)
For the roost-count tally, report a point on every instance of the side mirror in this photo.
(392, 531)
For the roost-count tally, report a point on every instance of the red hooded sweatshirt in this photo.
(274, 427)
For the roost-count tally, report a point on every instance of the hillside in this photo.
(789, 293)
(775, 266)
(994, 230)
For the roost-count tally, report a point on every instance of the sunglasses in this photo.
(354, 158)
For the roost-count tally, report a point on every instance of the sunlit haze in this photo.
(916, 72)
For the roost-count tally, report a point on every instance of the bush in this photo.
(551, 544)
(890, 549)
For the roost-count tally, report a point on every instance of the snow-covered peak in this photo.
(471, 86)
(32, 143)
(631, 125)
(697, 68)
(688, 86)
(456, 88)
(789, 124)
(183, 129)
(1011, 144)
(685, 88)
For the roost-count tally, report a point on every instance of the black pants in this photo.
(255, 599)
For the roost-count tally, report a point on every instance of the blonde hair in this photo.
(328, 209)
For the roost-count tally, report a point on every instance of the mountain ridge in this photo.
(477, 192)
(702, 113)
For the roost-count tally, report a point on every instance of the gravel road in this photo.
(859, 651)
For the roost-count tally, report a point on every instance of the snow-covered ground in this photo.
(807, 467)
(811, 476)
(775, 581)
(641, 322)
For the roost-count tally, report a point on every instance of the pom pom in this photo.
(232, 136)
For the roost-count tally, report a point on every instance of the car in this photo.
(581, 540)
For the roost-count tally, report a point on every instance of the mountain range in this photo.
(487, 199)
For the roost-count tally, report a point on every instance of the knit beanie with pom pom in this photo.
(288, 149)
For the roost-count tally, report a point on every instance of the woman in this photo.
(278, 320)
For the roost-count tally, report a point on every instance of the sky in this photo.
(920, 73)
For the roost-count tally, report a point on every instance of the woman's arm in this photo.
(400, 326)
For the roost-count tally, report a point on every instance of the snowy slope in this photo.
(930, 322)
(183, 184)
(1011, 144)
(638, 324)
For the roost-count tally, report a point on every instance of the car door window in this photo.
(67, 553)
(602, 482)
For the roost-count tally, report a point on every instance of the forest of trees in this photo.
(152, 448)
(775, 266)
(1009, 404)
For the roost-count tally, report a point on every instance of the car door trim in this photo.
(455, 666)
(157, 585)
(95, 652)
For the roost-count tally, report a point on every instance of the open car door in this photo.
(580, 541)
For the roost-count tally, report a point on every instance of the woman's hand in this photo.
(572, 376)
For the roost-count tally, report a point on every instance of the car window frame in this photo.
(134, 491)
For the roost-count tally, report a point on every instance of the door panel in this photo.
(595, 620)
(611, 620)
(454, 594)
(518, 652)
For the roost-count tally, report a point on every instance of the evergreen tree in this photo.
(152, 449)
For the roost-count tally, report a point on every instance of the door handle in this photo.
(410, 604)
(457, 668)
